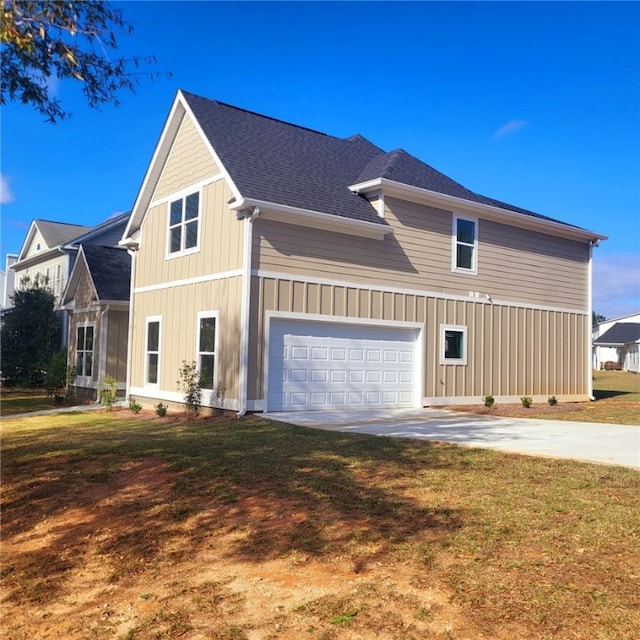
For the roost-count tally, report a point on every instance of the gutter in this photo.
(131, 250)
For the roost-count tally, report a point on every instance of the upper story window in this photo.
(184, 224)
(465, 245)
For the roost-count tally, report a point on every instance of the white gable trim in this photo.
(74, 278)
(172, 126)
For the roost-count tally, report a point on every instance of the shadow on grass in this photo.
(601, 394)
(138, 494)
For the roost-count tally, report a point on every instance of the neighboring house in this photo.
(624, 339)
(50, 249)
(608, 353)
(304, 271)
(9, 281)
(97, 301)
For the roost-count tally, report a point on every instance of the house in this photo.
(8, 281)
(610, 352)
(623, 338)
(50, 248)
(97, 301)
(305, 271)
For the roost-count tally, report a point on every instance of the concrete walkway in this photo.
(606, 443)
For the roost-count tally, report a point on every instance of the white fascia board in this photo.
(72, 283)
(27, 241)
(313, 219)
(490, 212)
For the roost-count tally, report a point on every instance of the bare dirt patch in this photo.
(109, 577)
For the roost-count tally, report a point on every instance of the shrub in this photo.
(108, 392)
(161, 409)
(190, 386)
(134, 406)
(527, 401)
(553, 401)
(610, 365)
(55, 379)
(489, 401)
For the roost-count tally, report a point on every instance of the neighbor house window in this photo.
(453, 348)
(207, 341)
(152, 351)
(84, 351)
(184, 217)
(465, 244)
(57, 288)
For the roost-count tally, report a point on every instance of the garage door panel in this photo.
(320, 365)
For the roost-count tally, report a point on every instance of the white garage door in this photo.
(320, 365)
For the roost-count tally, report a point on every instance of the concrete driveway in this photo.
(605, 443)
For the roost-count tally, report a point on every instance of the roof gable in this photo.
(109, 270)
(52, 234)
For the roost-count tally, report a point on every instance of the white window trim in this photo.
(83, 381)
(454, 245)
(149, 319)
(182, 195)
(465, 347)
(209, 395)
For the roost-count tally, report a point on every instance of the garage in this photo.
(324, 365)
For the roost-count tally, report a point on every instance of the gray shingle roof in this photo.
(620, 333)
(282, 163)
(110, 270)
(58, 233)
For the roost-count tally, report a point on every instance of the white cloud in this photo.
(5, 192)
(511, 127)
(616, 284)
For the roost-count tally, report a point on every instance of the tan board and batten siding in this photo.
(513, 349)
(164, 287)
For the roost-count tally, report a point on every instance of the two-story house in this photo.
(304, 271)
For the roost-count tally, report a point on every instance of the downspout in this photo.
(249, 216)
(132, 252)
(589, 332)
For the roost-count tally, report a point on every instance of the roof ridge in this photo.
(261, 115)
(69, 224)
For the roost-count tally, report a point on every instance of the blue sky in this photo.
(536, 104)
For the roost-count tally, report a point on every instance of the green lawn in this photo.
(13, 401)
(253, 529)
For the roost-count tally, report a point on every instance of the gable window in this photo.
(184, 223)
(84, 351)
(207, 343)
(453, 344)
(465, 244)
(152, 351)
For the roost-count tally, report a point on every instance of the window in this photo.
(207, 350)
(57, 289)
(184, 215)
(152, 350)
(465, 245)
(453, 349)
(84, 351)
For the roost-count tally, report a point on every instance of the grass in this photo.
(222, 526)
(15, 400)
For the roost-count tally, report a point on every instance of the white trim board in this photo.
(234, 273)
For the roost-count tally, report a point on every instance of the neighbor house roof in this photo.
(621, 333)
(110, 270)
(270, 161)
(57, 233)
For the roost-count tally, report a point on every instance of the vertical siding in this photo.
(511, 350)
(117, 336)
(178, 307)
